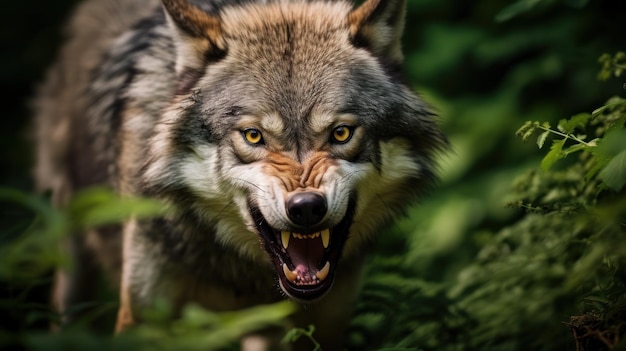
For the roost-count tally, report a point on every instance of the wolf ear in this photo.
(378, 26)
(197, 35)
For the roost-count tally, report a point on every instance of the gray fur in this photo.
(149, 104)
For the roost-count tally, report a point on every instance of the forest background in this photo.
(520, 247)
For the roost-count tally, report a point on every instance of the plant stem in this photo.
(567, 136)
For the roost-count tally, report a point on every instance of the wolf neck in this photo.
(190, 250)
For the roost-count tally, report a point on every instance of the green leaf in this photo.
(578, 121)
(523, 129)
(295, 333)
(542, 138)
(52, 218)
(612, 143)
(599, 299)
(554, 155)
(618, 124)
(575, 148)
(35, 251)
(195, 315)
(515, 9)
(259, 316)
(528, 133)
(614, 174)
(292, 335)
(612, 103)
(99, 206)
(599, 164)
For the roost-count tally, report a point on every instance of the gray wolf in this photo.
(281, 134)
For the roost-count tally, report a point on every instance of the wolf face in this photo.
(290, 127)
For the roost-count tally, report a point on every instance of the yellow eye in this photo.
(253, 136)
(342, 134)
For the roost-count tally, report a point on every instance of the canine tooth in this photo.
(285, 236)
(325, 237)
(291, 276)
(323, 273)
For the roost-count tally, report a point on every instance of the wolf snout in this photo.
(306, 209)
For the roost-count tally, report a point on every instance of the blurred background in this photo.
(463, 271)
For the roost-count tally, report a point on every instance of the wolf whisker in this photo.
(250, 183)
(231, 202)
(380, 198)
(349, 175)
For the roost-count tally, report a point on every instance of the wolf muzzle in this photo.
(306, 259)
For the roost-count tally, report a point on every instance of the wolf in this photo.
(281, 137)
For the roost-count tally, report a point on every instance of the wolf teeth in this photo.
(325, 234)
(285, 238)
(291, 276)
(322, 273)
(305, 236)
(325, 238)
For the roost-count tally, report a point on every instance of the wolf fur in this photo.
(281, 135)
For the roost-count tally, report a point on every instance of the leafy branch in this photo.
(295, 333)
(612, 65)
(565, 130)
(605, 155)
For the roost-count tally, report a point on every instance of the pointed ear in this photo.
(197, 35)
(378, 25)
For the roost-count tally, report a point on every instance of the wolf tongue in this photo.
(306, 253)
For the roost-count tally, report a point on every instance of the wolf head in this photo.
(292, 128)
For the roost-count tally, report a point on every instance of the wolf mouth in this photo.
(305, 261)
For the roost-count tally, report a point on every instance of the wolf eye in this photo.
(342, 134)
(253, 136)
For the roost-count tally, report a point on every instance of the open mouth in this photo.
(305, 261)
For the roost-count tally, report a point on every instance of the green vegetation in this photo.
(564, 255)
(521, 247)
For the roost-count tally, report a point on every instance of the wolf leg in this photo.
(74, 285)
(143, 277)
(126, 317)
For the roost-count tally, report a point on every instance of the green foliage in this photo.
(196, 329)
(605, 157)
(521, 7)
(612, 65)
(36, 252)
(33, 252)
(516, 9)
(199, 329)
(462, 271)
(99, 206)
(398, 311)
(296, 333)
(563, 259)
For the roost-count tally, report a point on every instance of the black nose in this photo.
(306, 208)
